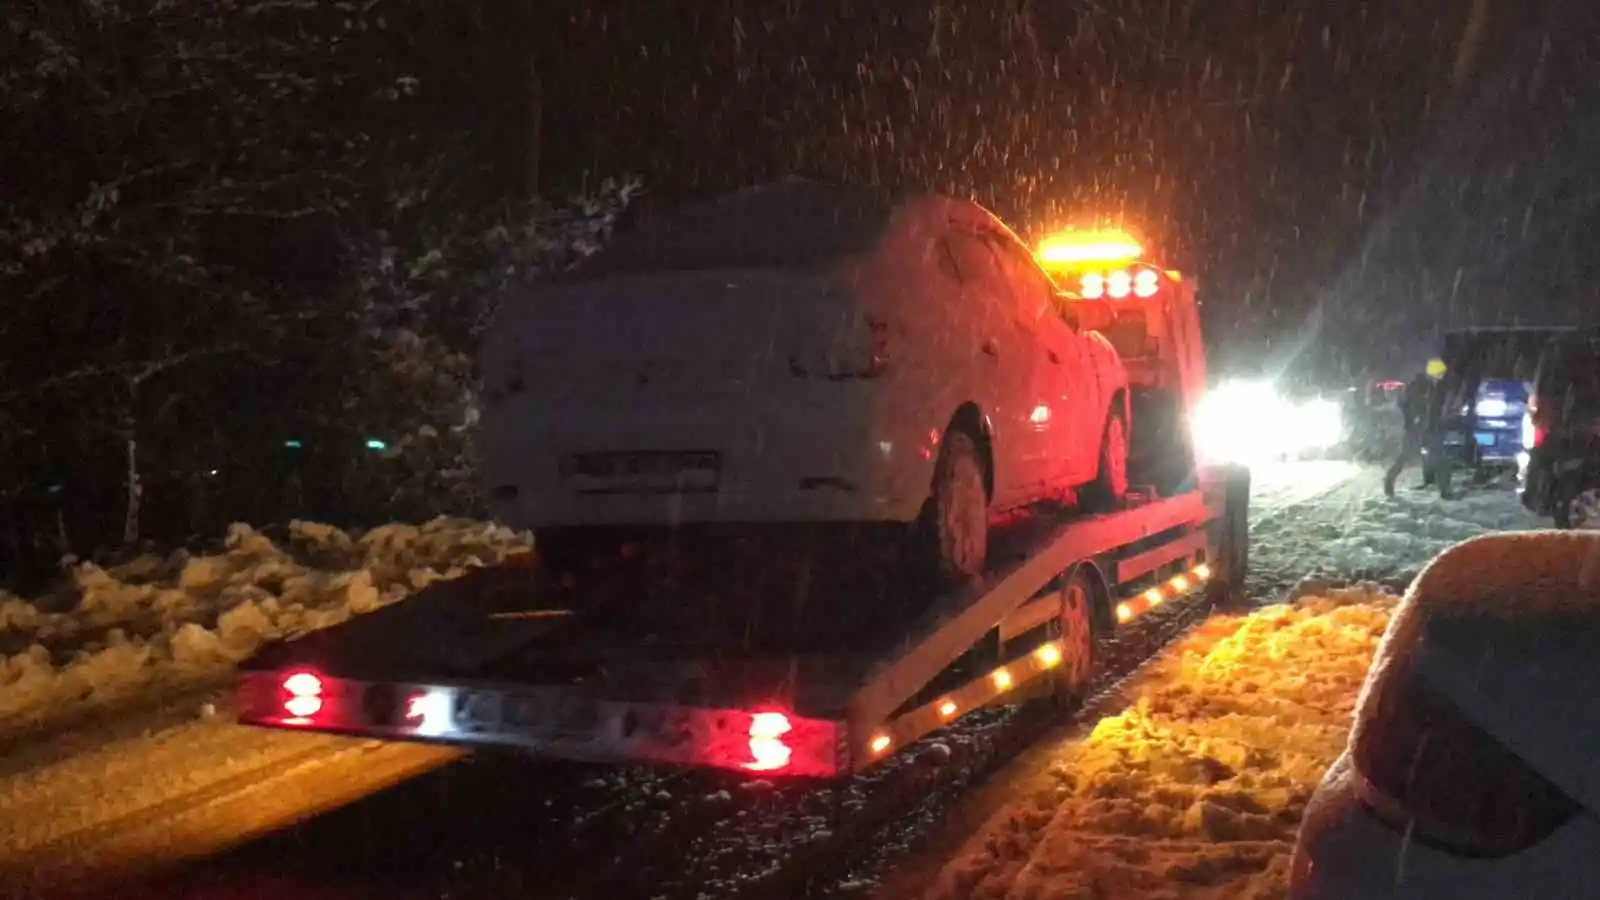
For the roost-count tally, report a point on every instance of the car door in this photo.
(1064, 383)
(1006, 368)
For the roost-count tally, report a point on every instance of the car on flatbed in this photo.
(800, 352)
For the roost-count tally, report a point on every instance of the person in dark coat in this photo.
(1414, 409)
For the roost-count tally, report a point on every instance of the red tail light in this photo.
(302, 696)
(768, 752)
(1534, 430)
(1430, 772)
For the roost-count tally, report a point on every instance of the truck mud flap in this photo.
(1226, 588)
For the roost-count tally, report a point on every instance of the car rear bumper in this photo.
(818, 455)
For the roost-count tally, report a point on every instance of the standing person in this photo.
(1414, 409)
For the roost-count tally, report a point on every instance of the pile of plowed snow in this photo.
(1197, 790)
(167, 623)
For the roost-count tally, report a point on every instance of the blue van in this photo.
(1474, 420)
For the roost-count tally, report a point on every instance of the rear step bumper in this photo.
(560, 723)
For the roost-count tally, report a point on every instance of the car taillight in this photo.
(1429, 772)
(302, 697)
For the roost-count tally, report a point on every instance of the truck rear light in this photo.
(1429, 772)
(768, 751)
(302, 696)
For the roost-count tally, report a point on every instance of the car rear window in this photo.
(779, 226)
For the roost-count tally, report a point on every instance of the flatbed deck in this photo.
(836, 641)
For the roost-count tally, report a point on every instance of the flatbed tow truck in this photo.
(506, 657)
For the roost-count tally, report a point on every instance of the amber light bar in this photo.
(1071, 248)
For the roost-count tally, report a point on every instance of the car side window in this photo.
(976, 262)
(1032, 290)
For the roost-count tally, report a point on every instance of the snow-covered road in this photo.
(1330, 519)
(1194, 790)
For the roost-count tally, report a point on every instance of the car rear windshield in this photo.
(778, 226)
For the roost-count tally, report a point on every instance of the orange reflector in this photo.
(1049, 655)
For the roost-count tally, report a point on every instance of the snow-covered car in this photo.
(801, 353)
(1471, 770)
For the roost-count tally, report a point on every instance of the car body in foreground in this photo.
(1471, 770)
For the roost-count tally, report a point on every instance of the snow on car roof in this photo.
(786, 224)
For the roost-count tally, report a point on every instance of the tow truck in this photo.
(612, 675)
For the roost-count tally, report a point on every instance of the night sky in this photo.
(1345, 178)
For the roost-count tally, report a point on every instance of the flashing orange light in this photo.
(1002, 679)
(947, 708)
(1069, 248)
(879, 743)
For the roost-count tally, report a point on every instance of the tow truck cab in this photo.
(1149, 314)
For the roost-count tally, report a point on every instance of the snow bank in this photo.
(1195, 791)
(164, 623)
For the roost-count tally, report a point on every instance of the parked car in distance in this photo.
(1470, 772)
(1473, 426)
(800, 353)
(1561, 430)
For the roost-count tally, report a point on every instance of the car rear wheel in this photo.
(1110, 484)
(960, 509)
